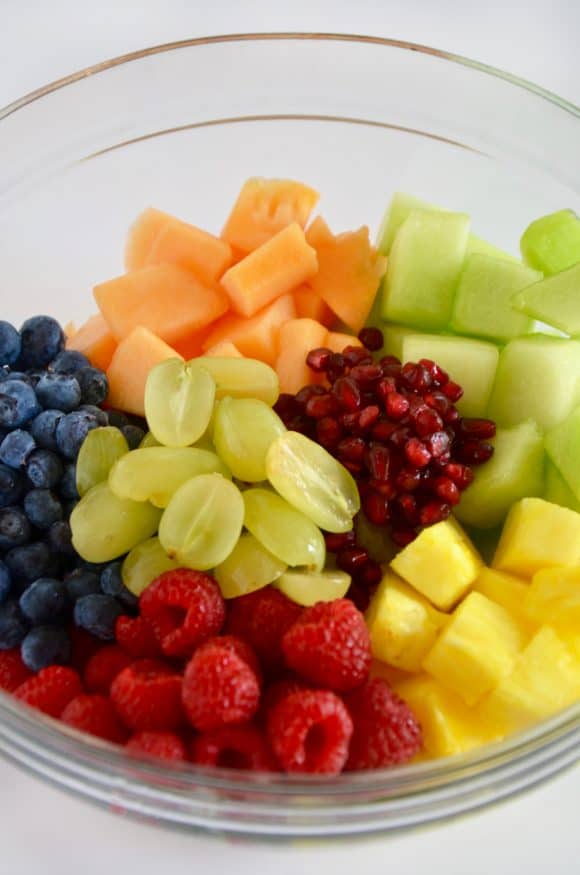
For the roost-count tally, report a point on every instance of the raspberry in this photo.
(386, 731)
(219, 687)
(147, 695)
(102, 668)
(83, 647)
(309, 731)
(240, 648)
(96, 715)
(234, 747)
(261, 618)
(50, 690)
(162, 745)
(185, 607)
(329, 645)
(13, 672)
(137, 636)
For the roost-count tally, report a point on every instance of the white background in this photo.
(44, 830)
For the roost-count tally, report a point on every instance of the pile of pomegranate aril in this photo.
(396, 428)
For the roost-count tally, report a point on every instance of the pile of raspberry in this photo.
(256, 683)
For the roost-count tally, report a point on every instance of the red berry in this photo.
(434, 512)
(347, 393)
(472, 451)
(452, 390)
(438, 444)
(83, 646)
(329, 645)
(403, 535)
(356, 355)
(376, 508)
(438, 375)
(408, 479)
(386, 731)
(95, 715)
(147, 695)
(351, 449)
(416, 377)
(446, 489)
(50, 690)
(13, 672)
(396, 406)
(234, 747)
(317, 359)
(371, 338)
(461, 475)
(328, 432)
(484, 429)
(335, 542)
(104, 666)
(426, 421)
(156, 743)
(321, 406)
(378, 461)
(368, 417)
(185, 607)
(261, 618)
(137, 636)
(310, 731)
(241, 648)
(417, 453)
(351, 558)
(365, 375)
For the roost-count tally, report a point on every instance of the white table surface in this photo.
(41, 829)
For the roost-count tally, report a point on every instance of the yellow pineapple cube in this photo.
(508, 591)
(554, 597)
(538, 534)
(476, 649)
(441, 563)
(402, 624)
(388, 673)
(545, 679)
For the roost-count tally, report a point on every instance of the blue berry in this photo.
(30, 561)
(42, 508)
(9, 343)
(69, 361)
(13, 626)
(14, 528)
(80, 583)
(44, 601)
(133, 435)
(43, 428)
(94, 385)
(18, 403)
(97, 614)
(16, 448)
(118, 419)
(60, 538)
(100, 415)
(59, 392)
(44, 646)
(42, 339)
(112, 584)
(44, 469)
(72, 430)
(5, 582)
(12, 486)
(68, 483)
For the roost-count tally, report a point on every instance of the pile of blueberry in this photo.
(49, 401)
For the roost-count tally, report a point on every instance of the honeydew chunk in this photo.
(552, 243)
(557, 490)
(538, 534)
(562, 446)
(555, 300)
(395, 336)
(477, 246)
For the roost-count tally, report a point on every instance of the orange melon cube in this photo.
(349, 272)
(69, 330)
(190, 248)
(168, 300)
(95, 340)
(296, 338)
(224, 349)
(264, 207)
(309, 305)
(140, 351)
(141, 235)
(191, 346)
(336, 341)
(272, 270)
(256, 337)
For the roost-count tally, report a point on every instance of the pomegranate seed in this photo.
(360, 595)
(382, 430)
(477, 428)
(390, 366)
(370, 574)
(438, 444)
(352, 449)
(378, 461)
(446, 489)
(388, 360)
(451, 416)
(317, 359)
(407, 507)
(347, 393)
(349, 421)
(434, 512)
(355, 468)
(438, 375)
(376, 508)
(386, 387)
(371, 338)
(452, 390)
(299, 423)
(437, 401)
(400, 436)
(415, 377)
(368, 417)
(383, 487)
(308, 392)
(403, 535)
(337, 541)
(365, 375)
(396, 406)
(408, 479)
(417, 453)
(328, 432)
(286, 406)
(335, 367)
(426, 421)
(321, 405)
(356, 355)
(473, 451)
(351, 558)
(462, 475)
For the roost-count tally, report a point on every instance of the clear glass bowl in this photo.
(180, 127)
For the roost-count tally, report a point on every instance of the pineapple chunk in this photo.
(402, 624)
(508, 591)
(477, 648)
(554, 597)
(449, 725)
(441, 563)
(545, 679)
(388, 673)
(536, 535)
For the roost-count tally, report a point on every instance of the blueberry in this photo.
(44, 469)
(30, 561)
(12, 486)
(134, 435)
(5, 582)
(9, 343)
(97, 614)
(45, 645)
(42, 339)
(69, 361)
(118, 419)
(68, 483)
(43, 428)
(16, 448)
(80, 583)
(18, 403)
(42, 508)
(100, 415)
(72, 430)
(14, 528)
(60, 538)
(112, 584)
(44, 601)
(13, 626)
(94, 385)
(59, 392)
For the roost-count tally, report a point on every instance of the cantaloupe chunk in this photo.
(140, 351)
(337, 340)
(256, 337)
(141, 235)
(349, 271)
(191, 346)
(264, 207)
(69, 330)
(190, 248)
(296, 338)
(168, 300)
(95, 340)
(309, 305)
(272, 270)
(224, 349)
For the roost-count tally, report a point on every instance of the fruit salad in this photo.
(294, 502)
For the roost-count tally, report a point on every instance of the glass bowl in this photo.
(180, 127)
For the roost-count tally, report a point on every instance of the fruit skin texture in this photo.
(261, 618)
(96, 715)
(329, 645)
(50, 690)
(147, 695)
(536, 535)
(161, 745)
(235, 747)
(13, 672)
(386, 731)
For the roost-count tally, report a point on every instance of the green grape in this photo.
(243, 429)
(144, 563)
(205, 442)
(149, 441)
(375, 539)
(307, 588)
(100, 450)
(203, 522)
(155, 473)
(105, 527)
(312, 481)
(283, 530)
(242, 378)
(248, 567)
(179, 400)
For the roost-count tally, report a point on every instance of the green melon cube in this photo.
(552, 243)
(557, 490)
(537, 378)
(472, 363)
(395, 336)
(563, 446)
(423, 269)
(555, 300)
(516, 470)
(482, 305)
(477, 246)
